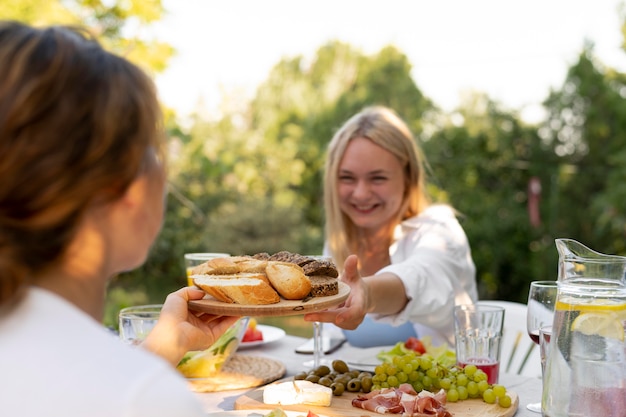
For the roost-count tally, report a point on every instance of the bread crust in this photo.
(238, 290)
(288, 279)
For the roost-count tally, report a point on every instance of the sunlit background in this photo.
(514, 51)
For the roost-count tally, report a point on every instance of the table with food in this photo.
(259, 372)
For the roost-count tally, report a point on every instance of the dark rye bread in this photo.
(294, 258)
(323, 286)
(321, 267)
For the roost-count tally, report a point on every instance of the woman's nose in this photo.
(361, 190)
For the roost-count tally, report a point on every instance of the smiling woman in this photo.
(406, 260)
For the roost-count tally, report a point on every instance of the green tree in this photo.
(118, 24)
(586, 130)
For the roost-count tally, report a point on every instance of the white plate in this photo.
(365, 359)
(256, 413)
(270, 334)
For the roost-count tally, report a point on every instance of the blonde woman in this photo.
(405, 258)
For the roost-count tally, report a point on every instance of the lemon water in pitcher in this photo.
(586, 368)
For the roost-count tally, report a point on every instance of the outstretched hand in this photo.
(180, 330)
(351, 313)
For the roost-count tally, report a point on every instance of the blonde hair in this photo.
(382, 126)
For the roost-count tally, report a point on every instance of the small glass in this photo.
(195, 259)
(136, 322)
(478, 333)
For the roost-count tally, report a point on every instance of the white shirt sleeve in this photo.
(433, 259)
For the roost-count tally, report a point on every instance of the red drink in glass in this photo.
(488, 366)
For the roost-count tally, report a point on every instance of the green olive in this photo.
(300, 375)
(337, 388)
(322, 370)
(327, 382)
(340, 366)
(312, 378)
(354, 385)
(366, 384)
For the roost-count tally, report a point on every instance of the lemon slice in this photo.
(601, 324)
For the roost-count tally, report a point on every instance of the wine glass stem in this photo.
(318, 350)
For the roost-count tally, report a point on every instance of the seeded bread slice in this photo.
(323, 286)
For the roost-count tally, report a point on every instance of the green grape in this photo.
(472, 389)
(462, 380)
(432, 372)
(384, 384)
(379, 369)
(463, 394)
(483, 386)
(417, 386)
(382, 377)
(392, 380)
(425, 364)
(489, 397)
(445, 383)
(414, 376)
(470, 369)
(427, 382)
(480, 376)
(415, 363)
(398, 361)
(452, 395)
(407, 368)
(402, 377)
(504, 401)
(391, 370)
(499, 390)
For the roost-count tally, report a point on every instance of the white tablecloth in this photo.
(528, 389)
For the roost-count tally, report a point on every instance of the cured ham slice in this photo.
(404, 400)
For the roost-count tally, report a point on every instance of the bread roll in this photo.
(230, 265)
(288, 279)
(237, 290)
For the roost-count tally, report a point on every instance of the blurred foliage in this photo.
(250, 180)
(118, 24)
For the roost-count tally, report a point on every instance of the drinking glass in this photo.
(195, 259)
(136, 322)
(478, 333)
(539, 313)
(318, 347)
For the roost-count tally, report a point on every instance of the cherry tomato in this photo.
(415, 344)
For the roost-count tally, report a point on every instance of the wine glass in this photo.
(540, 312)
(318, 340)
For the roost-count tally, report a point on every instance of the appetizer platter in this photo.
(342, 405)
(261, 285)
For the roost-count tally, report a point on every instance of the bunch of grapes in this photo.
(423, 372)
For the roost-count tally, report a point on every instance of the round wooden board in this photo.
(241, 371)
(342, 406)
(282, 308)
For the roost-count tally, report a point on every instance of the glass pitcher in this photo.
(586, 368)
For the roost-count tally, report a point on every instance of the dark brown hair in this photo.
(76, 124)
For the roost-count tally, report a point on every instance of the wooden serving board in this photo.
(342, 406)
(283, 308)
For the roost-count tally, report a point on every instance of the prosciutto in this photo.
(404, 400)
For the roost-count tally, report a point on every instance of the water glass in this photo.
(136, 322)
(478, 334)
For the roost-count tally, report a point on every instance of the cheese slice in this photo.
(298, 392)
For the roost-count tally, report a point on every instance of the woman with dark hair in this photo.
(82, 199)
(405, 258)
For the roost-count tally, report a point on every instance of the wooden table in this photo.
(283, 350)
